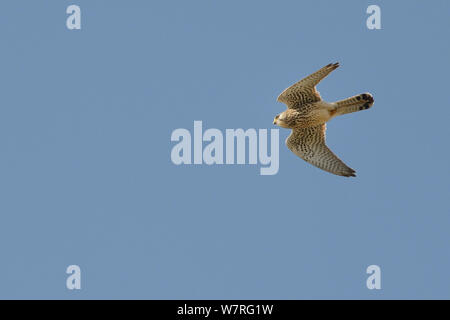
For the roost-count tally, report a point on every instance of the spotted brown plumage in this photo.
(309, 144)
(304, 91)
(307, 115)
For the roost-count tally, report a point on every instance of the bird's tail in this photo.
(356, 103)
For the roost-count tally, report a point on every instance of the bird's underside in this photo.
(307, 115)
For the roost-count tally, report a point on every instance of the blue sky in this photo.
(86, 177)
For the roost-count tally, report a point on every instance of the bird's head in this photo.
(281, 120)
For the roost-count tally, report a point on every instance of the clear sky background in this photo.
(85, 170)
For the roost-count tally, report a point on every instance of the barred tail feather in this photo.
(356, 103)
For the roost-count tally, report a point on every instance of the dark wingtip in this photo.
(333, 65)
(351, 173)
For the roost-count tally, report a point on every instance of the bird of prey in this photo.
(307, 115)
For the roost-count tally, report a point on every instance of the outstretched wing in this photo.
(309, 144)
(305, 91)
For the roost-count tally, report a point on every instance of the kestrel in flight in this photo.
(307, 115)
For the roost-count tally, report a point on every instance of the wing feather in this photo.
(304, 91)
(309, 144)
